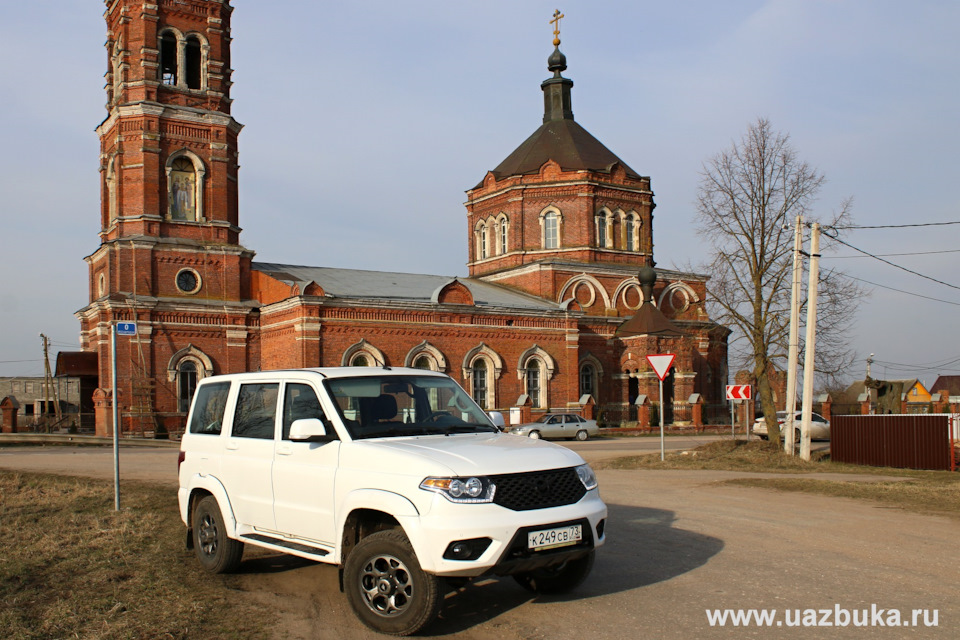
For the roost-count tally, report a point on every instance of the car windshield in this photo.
(406, 405)
(545, 418)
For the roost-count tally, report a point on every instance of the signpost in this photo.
(661, 366)
(121, 329)
(737, 393)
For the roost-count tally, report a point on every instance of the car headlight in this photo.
(462, 490)
(587, 476)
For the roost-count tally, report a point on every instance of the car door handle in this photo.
(232, 445)
(285, 451)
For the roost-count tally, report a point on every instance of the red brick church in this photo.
(552, 314)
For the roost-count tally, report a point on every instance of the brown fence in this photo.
(895, 440)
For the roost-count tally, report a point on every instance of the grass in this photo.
(928, 492)
(74, 568)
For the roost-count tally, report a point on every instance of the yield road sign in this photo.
(126, 328)
(738, 392)
(661, 363)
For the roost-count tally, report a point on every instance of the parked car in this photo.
(819, 426)
(394, 475)
(558, 425)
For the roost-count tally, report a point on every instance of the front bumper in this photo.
(433, 533)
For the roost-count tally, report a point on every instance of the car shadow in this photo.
(643, 547)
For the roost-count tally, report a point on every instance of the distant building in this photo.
(556, 235)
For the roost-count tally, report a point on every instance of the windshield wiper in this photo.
(470, 428)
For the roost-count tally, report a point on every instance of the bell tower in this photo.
(170, 257)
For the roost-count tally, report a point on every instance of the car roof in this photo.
(325, 372)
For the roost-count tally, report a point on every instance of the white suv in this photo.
(394, 475)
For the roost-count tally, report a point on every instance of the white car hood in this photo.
(471, 454)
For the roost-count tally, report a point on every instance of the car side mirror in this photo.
(497, 419)
(309, 430)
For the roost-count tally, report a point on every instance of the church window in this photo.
(192, 62)
(483, 242)
(168, 59)
(588, 376)
(551, 231)
(360, 360)
(503, 235)
(480, 382)
(186, 384)
(111, 189)
(422, 362)
(183, 189)
(630, 233)
(533, 378)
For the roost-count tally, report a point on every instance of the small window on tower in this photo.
(168, 59)
(551, 231)
(192, 62)
(183, 189)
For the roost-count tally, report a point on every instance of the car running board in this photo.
(286, 544)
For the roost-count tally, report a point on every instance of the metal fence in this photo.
(895, 440)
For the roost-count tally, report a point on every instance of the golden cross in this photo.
(557, 16)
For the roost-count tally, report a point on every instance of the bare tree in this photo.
(747, 203)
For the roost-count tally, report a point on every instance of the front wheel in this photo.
(535, 435)
(216, 552)
(582, 435)
(559, 579)
(386, 587)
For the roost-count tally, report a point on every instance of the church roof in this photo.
(399, 287)
(648, 321)
(566, 143)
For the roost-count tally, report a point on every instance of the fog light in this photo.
(600, 526)
(466, 549)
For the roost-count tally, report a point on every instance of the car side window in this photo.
(555, 420)
(299, 402)
(208, 408)
(256, 411)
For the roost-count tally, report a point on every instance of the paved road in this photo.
(679, 543)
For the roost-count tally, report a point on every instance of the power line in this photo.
(867, 253)
(909, 293)
(890, 255)
(897, 226)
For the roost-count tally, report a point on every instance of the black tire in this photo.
(582, 435)
(534, 434)
(216, 552)
(386, 587)
(560, 579)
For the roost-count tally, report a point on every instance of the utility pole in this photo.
(48, 381)
(807, 411)
(791, 407)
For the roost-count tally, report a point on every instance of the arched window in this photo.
(360, 360)
(479, 382)
(630, 233)
(551, 231)
(588, 378)
(533, 378)
(422, 362)
(112, 189)
(483, 242)
(601, 230)
(193, 56)
(503, 235)
(168, 59)
(183, 190)
(186, 384)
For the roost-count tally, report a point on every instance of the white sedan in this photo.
(819, 426)
(558, 425)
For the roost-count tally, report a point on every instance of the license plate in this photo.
(559, 537)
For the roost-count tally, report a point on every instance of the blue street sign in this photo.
(126, 328)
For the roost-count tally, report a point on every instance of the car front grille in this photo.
(538, 489)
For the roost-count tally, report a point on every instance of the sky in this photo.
(365, 123)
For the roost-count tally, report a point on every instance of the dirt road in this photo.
(678, 544)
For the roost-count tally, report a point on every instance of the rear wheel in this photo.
(216, 552)
(559, 579)
(535, 435)
(386, 587)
